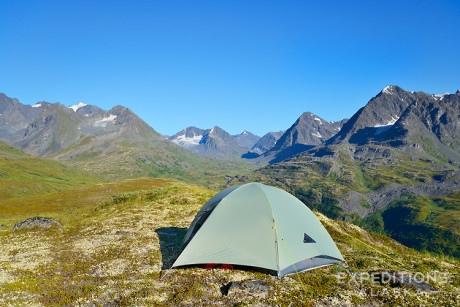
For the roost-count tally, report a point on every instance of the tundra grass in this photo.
(112, 250)
(23, 175)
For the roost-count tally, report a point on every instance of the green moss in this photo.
(365, 204)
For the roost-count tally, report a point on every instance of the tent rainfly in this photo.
(259, 226)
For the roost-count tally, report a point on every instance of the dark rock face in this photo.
(309, 129)
(15, 117)
(267, 142)
(431, 125)
(307, 132)
(417, 123)
(413, 120)
(382, 110)
(38, 221)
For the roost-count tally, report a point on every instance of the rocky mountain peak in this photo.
(309, 129)
(77, 106)
(267, 142)
(391, 90)
(247, 139)
(382, 110)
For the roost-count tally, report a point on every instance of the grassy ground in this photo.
(23, 175)
(116, 240)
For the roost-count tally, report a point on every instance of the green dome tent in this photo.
(260, 226)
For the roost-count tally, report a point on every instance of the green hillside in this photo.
(23, 175)
(112, 248)
(122, 158)
(424, 223)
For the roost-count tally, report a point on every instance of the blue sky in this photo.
(254, 65)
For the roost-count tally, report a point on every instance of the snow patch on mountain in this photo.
(317, 134)
(440, 96)
(391, 122)
(77, 106)
(187, 142)
(103, 122)
(388, 89)
(318, 120)
(37, 105)
(380, 128)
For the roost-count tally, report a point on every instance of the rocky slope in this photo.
(247, 139)
(407, 120)
(267, 142)
(15, 117)
(112, 249)
(307, 132)
(309, 129)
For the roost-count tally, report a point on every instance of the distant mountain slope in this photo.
(218, 143)
(15, 117)
(308, 131)
(189, 137)
(431, 125)
(23, 175)
(215, 142)
(246, 139)
(267, 142)
(382, 110)
(415, 122)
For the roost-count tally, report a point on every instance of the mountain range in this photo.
(214, 142)
(114, 144)
(218, 143)
(414, 121)
(308, 131)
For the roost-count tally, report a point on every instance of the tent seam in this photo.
(275, 228)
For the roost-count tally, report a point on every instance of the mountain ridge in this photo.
(116, 144)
